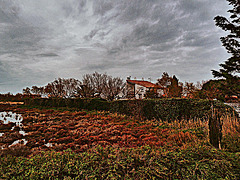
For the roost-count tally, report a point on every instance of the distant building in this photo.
(139, 89)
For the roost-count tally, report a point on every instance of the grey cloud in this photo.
(197, 40)
(16, 39)
(101, 7)
(8, 12)
(47, 55)
(47, 38)
(68, 8)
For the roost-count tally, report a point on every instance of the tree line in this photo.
(92, 85)
(108, 87)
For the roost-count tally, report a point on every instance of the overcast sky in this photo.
(41, 40)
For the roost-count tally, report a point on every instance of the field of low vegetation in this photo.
(67, 143)
(99, 127)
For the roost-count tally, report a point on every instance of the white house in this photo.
(138, 89)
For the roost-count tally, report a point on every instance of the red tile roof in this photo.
(144, 83)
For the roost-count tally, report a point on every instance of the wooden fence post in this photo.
(215, 129)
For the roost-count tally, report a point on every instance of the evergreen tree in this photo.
(230, 69)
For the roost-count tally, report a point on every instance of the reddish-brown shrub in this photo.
(181, 138)
(16, 150)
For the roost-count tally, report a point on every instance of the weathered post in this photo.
(215, 129)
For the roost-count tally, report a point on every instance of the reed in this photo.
(231, 125)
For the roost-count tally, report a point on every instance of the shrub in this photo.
(231, 143)
(120, 163)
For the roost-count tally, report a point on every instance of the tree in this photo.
(71, 87)
(165, 81)
(213, 89)
(189, 89)
(63, 87)
(99, 80)
(101, 85)
(87, 88)
(35, 90)
(230, 69)
(112, 87)
(48, 89)
(27, 91)
(92, 85)
(174, 89)
(195, 91)
(60, 87)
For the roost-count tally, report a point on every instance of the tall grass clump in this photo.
(231, 133)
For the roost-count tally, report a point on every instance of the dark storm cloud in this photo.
(45, 39)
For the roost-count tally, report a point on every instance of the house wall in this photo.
(160, 92)
(130, 90)
(140, 91)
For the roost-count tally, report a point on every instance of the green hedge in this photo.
(88, 104)
(164, 109)
(200, 162)
(170, 109)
